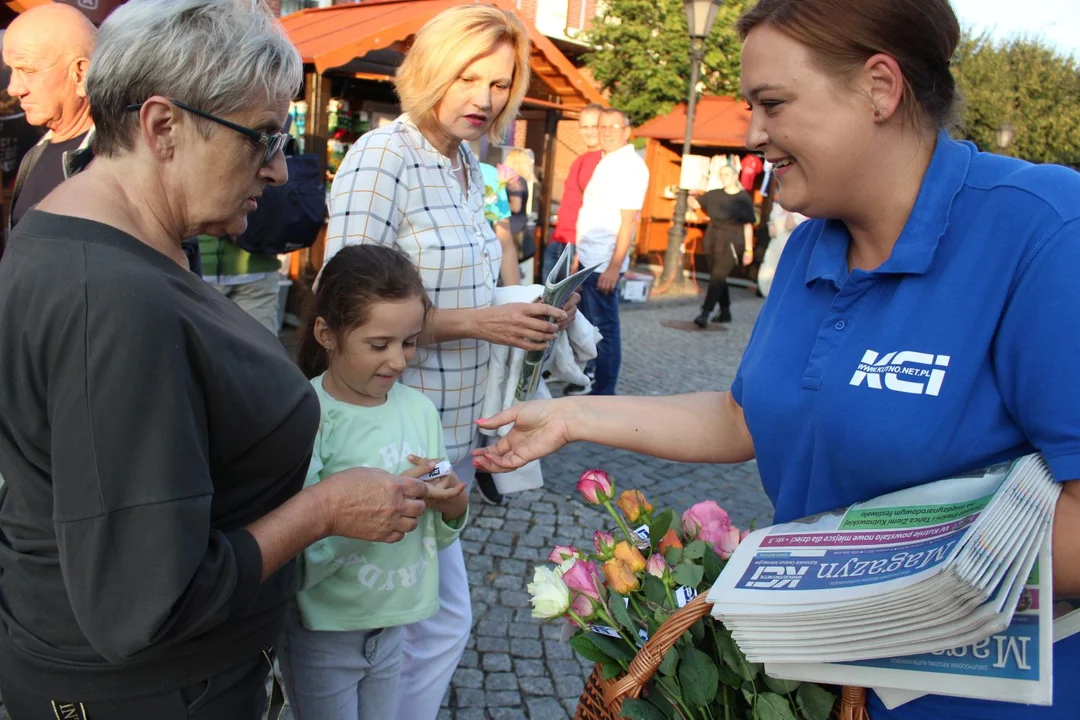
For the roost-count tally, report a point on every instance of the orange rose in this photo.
(670, 540)
(620, 578)
(634, 505)
(630, 556)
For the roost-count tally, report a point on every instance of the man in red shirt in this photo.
(574, 189)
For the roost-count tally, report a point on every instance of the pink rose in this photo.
(583, 579)
(597, 486)
(656, 565)
(604, 544)
(706, 521)
(582, 607)
(562, 553)
(727, 543)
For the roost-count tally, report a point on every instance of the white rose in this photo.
(550, 596)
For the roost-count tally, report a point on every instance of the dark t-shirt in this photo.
(47, 173)
(145, 421)
(16, 138)
(721, 207)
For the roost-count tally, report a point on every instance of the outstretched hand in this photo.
(540, 429)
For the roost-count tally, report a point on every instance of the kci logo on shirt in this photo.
(901, 372)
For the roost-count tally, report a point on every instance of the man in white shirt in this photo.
(605, 229)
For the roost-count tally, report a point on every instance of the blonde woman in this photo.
(415, 184)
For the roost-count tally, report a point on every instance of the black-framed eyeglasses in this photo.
(273, 143)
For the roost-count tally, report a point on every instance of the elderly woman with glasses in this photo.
(154, 437)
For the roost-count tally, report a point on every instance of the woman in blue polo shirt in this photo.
(924, 323)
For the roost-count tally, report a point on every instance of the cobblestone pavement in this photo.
(514, 666)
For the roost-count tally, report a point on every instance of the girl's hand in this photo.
(421, 466)
(540, 428)
(447, 495)
(522, 325)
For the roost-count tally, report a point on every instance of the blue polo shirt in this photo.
(961, 350)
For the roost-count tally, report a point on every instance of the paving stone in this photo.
(564, 667)
(497, 662)
(520, 647)
(495, 628)
(496, 550)
(502, 537)
(507, 582)
(491, 523)
(514, 598)
(479, 534)
(517, 514)
(504, 698)
(445, 714)
(553, 650)
(529, 631)
(470, 714)
(512, 567)
(501, 713)
(568, 685)
(492, 644)
(501, 681)
(537, 686)
(529, 668)
(515, 526)
(469, 659)
(545, 709)
(465, 698)
(470, 678)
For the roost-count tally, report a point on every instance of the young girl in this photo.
(341, 648)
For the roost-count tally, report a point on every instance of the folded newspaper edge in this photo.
(556, 294)
(925, 590)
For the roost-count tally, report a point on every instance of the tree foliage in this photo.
(1026, 84)
(642, 55)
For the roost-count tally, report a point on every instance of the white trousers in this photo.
(433, 647)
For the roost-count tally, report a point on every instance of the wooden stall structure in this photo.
(357, 48)
(720, 125)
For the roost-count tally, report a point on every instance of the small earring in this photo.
(877, 112)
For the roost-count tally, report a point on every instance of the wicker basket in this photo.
(602, 699)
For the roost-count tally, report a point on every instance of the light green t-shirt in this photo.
(358, 585)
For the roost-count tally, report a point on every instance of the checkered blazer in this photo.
(395, 188)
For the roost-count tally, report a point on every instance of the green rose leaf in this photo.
(688, 574)
(662, 704)
(641, 710)
(733, 657)
(729, 677)
(697, 631)
(671, 660)
(713, 565)
(610, 671)
(612, 647)
(654, 590)
(770, 706)
(781, 687)
(673, 556)
(815, 702)
(659, 527)
(621, 614)
(586, 648)
(695, 550)
(698, 677)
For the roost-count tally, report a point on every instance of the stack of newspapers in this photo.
(906, 592)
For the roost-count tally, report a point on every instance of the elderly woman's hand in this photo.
(523, 325)
(370, 504)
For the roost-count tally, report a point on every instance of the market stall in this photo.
(350, 55)
(720, 125)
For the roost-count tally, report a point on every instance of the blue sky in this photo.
(1057, 21)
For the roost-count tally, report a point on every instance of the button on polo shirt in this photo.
(959, 351)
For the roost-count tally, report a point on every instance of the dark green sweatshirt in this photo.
(145, 420)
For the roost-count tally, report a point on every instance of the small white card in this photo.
(684, 594)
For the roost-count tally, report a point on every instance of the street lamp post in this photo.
(700, 15)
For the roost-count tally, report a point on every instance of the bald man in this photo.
(48, 49)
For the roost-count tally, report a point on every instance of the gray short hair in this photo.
(219, 56)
